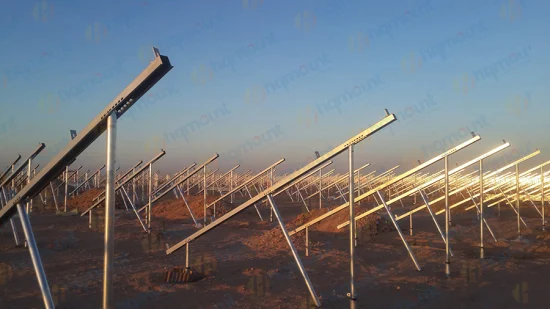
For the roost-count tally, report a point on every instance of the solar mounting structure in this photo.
(105, 121)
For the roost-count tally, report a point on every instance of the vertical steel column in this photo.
(410, 223)
(517, 200)
(54, 197)
(13, 180)
(66, 187)
(352, 225)
(45, 201)
(34, 175)
(415, 187)
(320, 187)
(188, 181)
(12, 222)
(35, 257)
(271, 184)
(28, 181)
(204, 191)
(230, 185)
(109, 213)
(76, 181)
(149, 213)
(294, 252)
(425, 198)
(307, 240)
(447, 220)
(143, 188)
(359, 184)
(542, 197)
(134, 188)
(481, 221)
(398, 230)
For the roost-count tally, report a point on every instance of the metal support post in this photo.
(109, 213)
(481, 221)
(447, 220)
(294, 252)
(35, 257)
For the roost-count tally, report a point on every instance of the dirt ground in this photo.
(246, 262)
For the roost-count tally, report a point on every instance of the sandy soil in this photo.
(246, 262)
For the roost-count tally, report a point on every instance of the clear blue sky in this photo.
(305, 75)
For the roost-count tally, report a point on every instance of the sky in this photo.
(259, 80)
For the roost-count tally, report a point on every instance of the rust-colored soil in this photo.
(246, 263)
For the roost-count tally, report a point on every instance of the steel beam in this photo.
(128, 97)
(288, 179)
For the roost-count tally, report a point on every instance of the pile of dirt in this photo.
(85, 200)
(175, 208)
(305, 217)
(373, 223)
(273, 239)
(270, 241)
